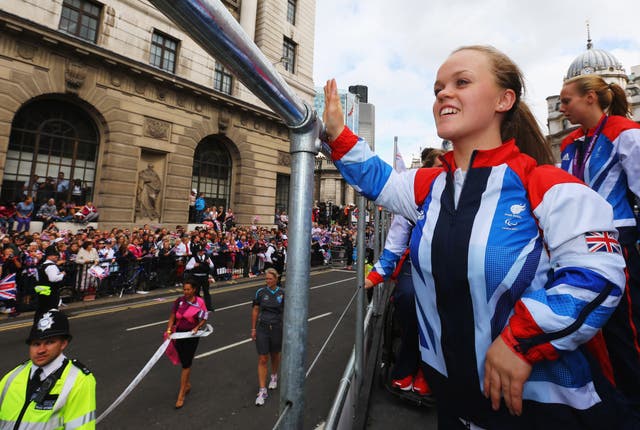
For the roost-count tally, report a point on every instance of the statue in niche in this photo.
(149, 187)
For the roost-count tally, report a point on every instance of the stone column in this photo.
(248, 14)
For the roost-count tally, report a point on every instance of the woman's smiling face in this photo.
(467, 96)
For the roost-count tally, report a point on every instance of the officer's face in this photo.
(43, 352)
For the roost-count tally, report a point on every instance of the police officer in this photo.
(200, 265)
(49, 280)
(49, 391)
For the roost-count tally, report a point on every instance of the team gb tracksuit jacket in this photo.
(514, 245)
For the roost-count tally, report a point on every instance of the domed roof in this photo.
(594, 61)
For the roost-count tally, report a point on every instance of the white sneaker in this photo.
(262, 396)
(273, 384)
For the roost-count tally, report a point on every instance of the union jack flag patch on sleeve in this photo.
(602, 241)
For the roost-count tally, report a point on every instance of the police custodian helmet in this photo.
(50, 324)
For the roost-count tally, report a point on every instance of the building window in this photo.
(163, 51)
(282, 193)
(49, 137)
(289, 55)
(222, 79)
(212, 172)
(80, 18)
(291, 11)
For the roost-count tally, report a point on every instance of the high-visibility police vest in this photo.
(47, 291)
(70, 404)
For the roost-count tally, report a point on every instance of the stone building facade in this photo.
(135, 114)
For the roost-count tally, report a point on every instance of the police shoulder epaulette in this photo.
(81, 366)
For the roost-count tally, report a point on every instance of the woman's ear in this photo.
(591, 97)
(506, 101)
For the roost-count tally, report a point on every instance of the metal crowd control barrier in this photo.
(82, 280)
(210, 25)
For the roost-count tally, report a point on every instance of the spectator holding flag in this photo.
(8, 292)
(10, 266)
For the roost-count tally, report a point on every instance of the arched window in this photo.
(49, 137)
(212, 172)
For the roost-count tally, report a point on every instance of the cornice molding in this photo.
(45, 36)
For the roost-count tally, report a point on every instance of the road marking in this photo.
(236, 305)
(319, 316)
(332, 283)
(165, 321)
(233, 345)
(162, 301)
(146, 325)
(215, 351)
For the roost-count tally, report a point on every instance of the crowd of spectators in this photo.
(93, 259)
(18, 216)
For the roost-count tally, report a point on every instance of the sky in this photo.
(395, 48)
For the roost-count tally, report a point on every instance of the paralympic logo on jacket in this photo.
(513, 218)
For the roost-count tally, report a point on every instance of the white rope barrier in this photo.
(147, 367)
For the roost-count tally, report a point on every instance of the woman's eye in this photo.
(462, 82)
(436, 91)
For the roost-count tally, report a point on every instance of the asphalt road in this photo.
(116, 342)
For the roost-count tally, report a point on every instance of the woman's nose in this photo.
(444, 93)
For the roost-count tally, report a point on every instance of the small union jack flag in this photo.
(602, 241)
(8, 287)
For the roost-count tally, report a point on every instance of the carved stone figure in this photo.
(149, 187)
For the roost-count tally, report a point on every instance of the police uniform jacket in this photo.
(69, 404)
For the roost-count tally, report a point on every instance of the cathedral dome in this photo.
(595, 61)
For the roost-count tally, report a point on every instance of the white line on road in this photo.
(236, 305)
(319, 316)
(215, 351)
(332, 283)
(233, 345)
(165, 321)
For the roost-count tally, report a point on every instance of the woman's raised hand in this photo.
(333, 117)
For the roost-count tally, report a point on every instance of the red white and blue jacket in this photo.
(526, 247)
(613, 167)
(394, 249)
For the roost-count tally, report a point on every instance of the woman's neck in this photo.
(463, 148)
(592, 120)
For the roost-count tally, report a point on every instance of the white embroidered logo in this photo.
(513, 219)
(565, 157)
(517, 209)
